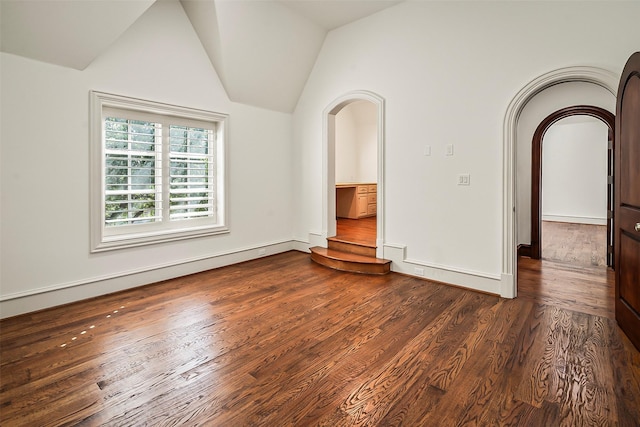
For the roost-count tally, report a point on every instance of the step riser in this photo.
(353, 267)
(351, 248)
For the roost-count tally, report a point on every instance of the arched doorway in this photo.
(329, 166)
(535, 249)
(603, 78)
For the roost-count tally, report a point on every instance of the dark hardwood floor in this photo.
(572, 273)
(573, 287)
(283, 341)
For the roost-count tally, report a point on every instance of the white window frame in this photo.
(104, 238)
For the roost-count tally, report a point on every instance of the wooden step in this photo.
(354, 248)
(345, 261)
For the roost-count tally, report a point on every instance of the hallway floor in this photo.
(577, 244)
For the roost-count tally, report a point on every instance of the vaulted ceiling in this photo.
(262, 50)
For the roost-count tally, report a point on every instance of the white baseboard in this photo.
(508, 286)
(64, 293)
(474, 280)
(317, 239)
(301, 246)
(575, 219)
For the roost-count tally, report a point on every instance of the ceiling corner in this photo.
(69, 33)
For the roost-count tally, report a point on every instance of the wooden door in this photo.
(627, 200)
(610, 200)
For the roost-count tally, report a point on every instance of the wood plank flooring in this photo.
(585, 289)
(362, 231)
(281, 341)
(572, 273)
(577, 244)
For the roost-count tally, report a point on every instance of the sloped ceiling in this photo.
(69, 33)
(331, 14)
(262, 50)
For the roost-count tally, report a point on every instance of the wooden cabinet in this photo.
(362, 205)
(356, 200)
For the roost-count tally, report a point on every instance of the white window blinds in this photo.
(158, 172)
(133, 171)
(191, 180)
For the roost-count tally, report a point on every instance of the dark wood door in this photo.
(627, 199)
(610, 200)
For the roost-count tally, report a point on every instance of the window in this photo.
(157, 172)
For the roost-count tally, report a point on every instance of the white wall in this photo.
(44, 173)
(357, 143)
(367, 120)
(574, 171)
(448, 71)
(346, 146)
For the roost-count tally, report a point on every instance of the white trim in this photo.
(464, 271)
(475, 280)
(328, 164)
(63, 293)
(575, 219)
(317, 239)
(299, 245)
(506, 288)
(138, 235)
(599, 76)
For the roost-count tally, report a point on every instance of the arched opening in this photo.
(598, 76)
(535, 249)
(329, 162)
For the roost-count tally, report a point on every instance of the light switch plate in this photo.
(427, 150)
(449, 151)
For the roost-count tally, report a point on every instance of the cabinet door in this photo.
(362, 205)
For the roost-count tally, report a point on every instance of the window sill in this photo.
(109, 243)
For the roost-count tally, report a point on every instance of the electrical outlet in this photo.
(464, 179)
(419, 271)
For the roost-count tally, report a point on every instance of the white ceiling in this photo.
(330, 14)
(70, 33)
(262, 50)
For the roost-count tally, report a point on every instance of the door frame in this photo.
(534, 250)
(329, 167)
(601, 77)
